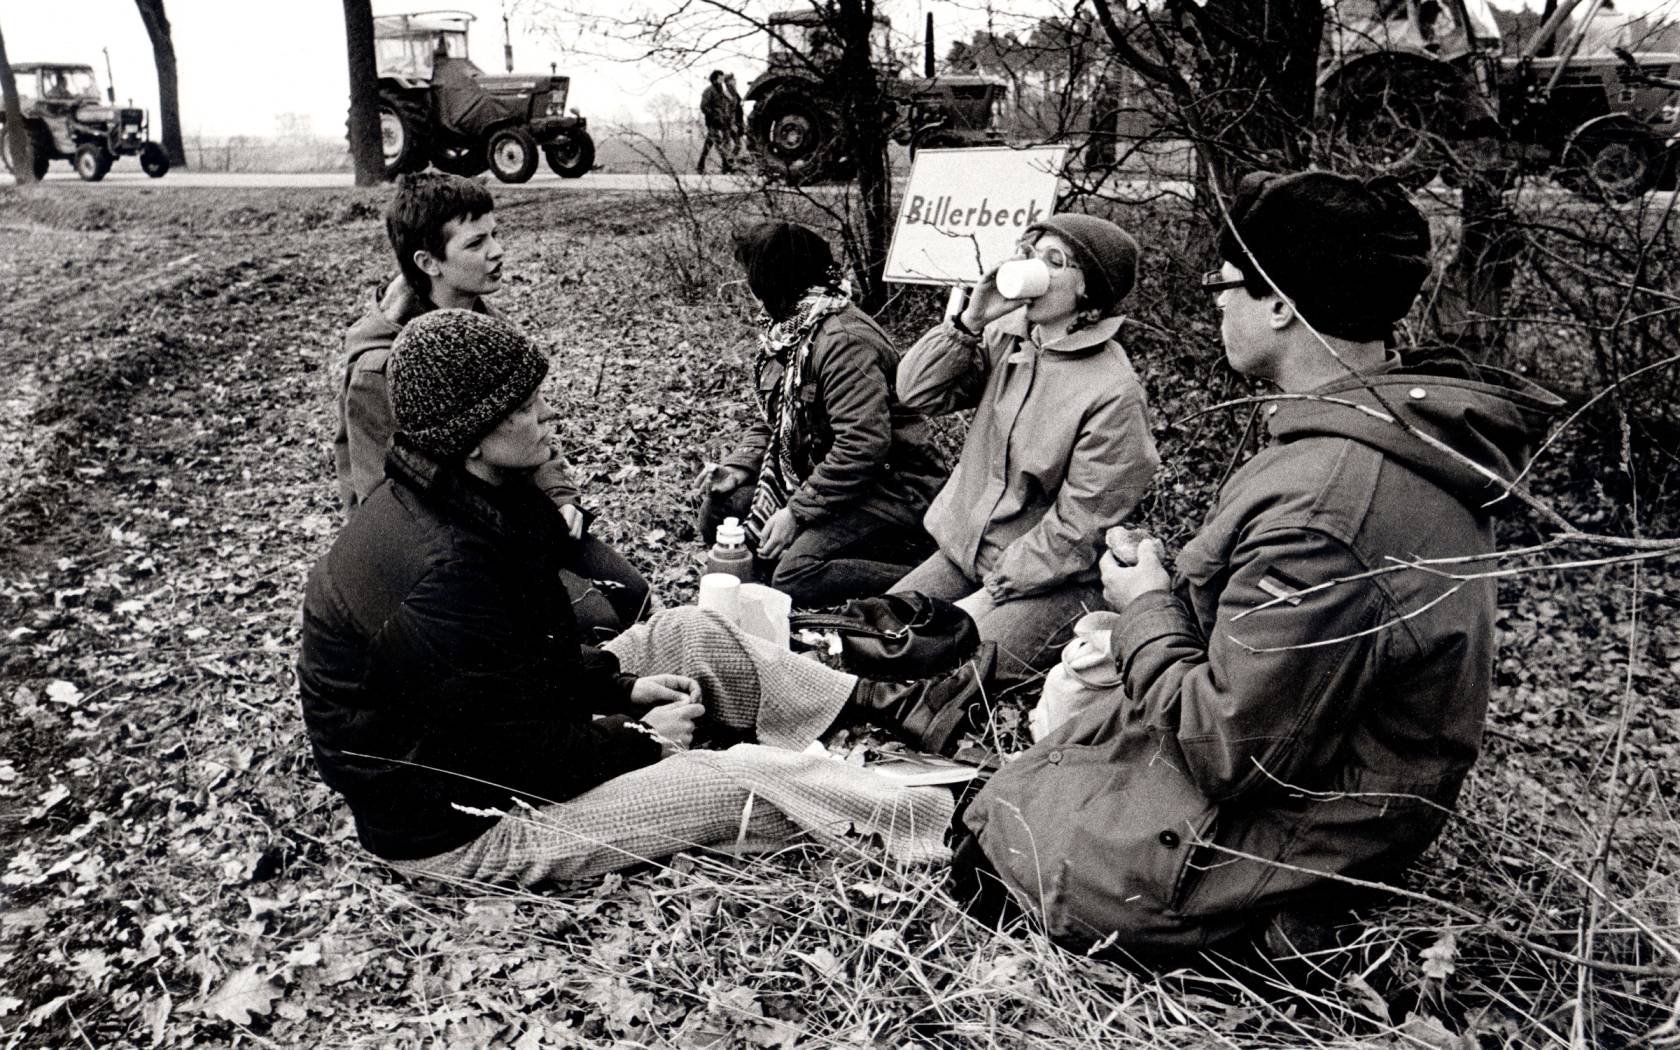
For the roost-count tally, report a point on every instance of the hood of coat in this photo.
(1487, 418)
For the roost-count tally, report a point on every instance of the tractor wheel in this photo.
(512, 154)
(795, 134)
(460, 160)
(39, 149)
(92, 161)
(153, 160)
(573, 156)
(1385, 120)
(1611, 159)
(402, 135)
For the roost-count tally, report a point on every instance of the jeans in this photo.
(854, 555)
(608, 594)
(1029, 632)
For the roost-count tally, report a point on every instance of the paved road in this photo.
(60, 175)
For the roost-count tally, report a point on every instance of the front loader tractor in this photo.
(436, 107)
(1419, 87)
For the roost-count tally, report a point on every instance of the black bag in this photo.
(903, 635)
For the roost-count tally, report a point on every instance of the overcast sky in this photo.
(243, 63)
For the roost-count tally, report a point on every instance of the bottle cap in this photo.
(731, 534)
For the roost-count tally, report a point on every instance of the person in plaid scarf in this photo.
(835, 473)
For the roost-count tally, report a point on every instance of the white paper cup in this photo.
(721, 593)
(1023, 279)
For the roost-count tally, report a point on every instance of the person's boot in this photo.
(930, 713)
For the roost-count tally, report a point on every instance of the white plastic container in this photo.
(1023, 279)
(721, 593)
(765, 612)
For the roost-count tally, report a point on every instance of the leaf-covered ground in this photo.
(172, 873)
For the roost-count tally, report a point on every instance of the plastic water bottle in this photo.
(729, 554)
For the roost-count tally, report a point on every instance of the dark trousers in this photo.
(608, 594)
(854, 555)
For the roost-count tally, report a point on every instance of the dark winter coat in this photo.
(865, 449)
(440, 663)
(366, 422)
(1300, 696)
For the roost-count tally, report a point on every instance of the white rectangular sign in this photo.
(964, 210)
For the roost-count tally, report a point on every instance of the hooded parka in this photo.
(1305, 701)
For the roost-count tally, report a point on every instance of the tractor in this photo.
(437, 107)
(795, 128)
(67, 120)
(1419, 87)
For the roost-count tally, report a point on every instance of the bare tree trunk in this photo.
(865, 123)
(169, 95)
(18, 145)
(366, 154)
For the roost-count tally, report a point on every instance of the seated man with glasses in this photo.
(1302, 699)
(1059, 450)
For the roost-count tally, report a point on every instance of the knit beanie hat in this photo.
(1107, 254)
(455, 375)
(1351, 254)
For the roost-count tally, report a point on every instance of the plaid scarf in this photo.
(788, 343)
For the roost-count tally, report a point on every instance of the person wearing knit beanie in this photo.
(456, 377)
(1350, 254)
(1107, 254)
(1060, 450)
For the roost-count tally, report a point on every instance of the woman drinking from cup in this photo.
(1060, 448)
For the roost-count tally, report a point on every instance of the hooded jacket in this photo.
(366, 422)
(1058, 451)
(1305, 700)
(440, 663)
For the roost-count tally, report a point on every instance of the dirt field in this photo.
(174, 874)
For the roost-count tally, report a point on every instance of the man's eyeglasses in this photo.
(1215, 281)
(1050, 255)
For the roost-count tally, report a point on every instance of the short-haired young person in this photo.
(442, 229)
(1297, 702)
(441, 673)
(1059, 450)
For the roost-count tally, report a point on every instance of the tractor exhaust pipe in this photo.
(927, 48)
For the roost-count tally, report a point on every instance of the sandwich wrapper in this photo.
(1087, 674)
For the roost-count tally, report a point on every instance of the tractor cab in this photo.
(412, 47)
(803, 42)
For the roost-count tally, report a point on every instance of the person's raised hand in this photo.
(656, 689)
(1123, 584)
(986, 304)
(675, 723)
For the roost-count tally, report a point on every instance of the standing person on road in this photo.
(443, 231)
(1059, 450)
(737, 118)
(834, 475)
(1302, 699)
(442, 676)
(718, 116)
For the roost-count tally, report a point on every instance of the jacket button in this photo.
(1169, 839)
(1055, 757)
(1417, 393)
